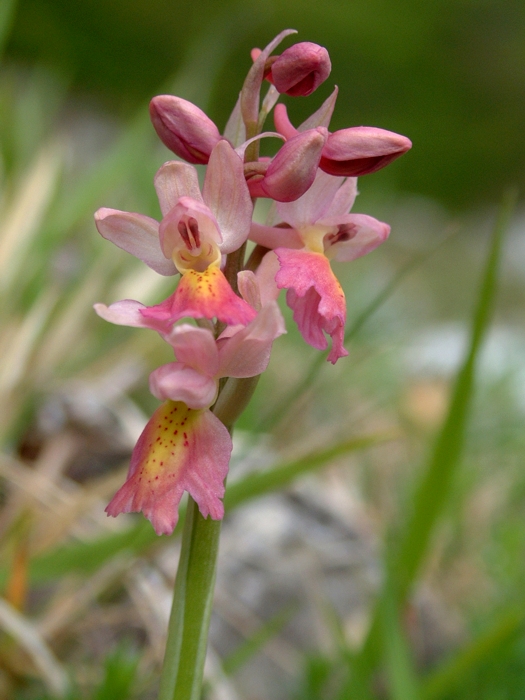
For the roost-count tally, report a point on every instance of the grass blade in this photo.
(401, 674)
(452, 673)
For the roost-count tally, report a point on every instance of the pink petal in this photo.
(195, 347)
(265, 275)
(125, 313)
(226, 193)
(316, 298)
(136, 234)
(362, 235)
(247, 353)
(179, 382)
(323, 115)
(174, 180)
(306, 210)
(275, 236)
(234, 131)
(249, 288)
(282, 124)
(202, 295)
(179, 450)
(344, 198)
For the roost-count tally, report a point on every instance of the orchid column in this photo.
(202, 237)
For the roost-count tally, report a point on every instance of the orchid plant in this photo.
(232, 298)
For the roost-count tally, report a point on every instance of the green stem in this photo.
(192, 604)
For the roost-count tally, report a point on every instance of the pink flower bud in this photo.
(293, 169)
(184, 128)
(361, 150)
(300, 69)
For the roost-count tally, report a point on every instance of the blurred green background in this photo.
(449, 73)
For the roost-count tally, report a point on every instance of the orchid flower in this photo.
(184, 446)
(321, 230)
(195, 232)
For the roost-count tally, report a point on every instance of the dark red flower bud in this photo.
(300, 69)
(184, 128)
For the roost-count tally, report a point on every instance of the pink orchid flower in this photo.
(321, 230)
(195, 232)
(184, 446)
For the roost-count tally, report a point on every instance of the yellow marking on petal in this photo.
(165, 447)
(197, 259)
(313, 237)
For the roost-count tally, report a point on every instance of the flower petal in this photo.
(179, 382)
(316, 298)
(179, 450)
(195, 347)
(226, 193)
(125, 313)
(343, 199)
(174, 180)
(364, 235)
(306, 210)
(323, 115)
(235, 131)
(247, 353)
(136, 234)
(275, 236)
(202, 295)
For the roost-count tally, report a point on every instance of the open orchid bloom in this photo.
(321, 229)
(196, 230)
(184, 447)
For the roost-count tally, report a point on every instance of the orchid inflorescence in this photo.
(203, 235)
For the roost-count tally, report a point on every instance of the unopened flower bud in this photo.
(184, 128)
(300, 69)
(293, 169)
(361, 150)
